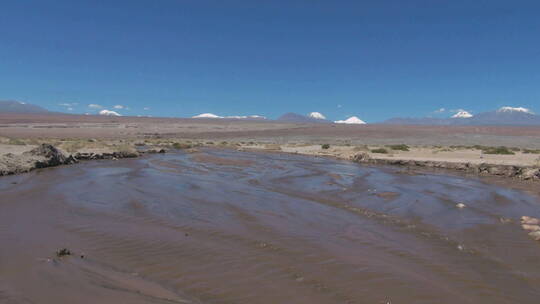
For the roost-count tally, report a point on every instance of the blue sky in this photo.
(372, 59)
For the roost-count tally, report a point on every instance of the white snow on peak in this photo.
(462, 114)
(512, 109)
(210, 115)
(109, 113)
(236, 117)
(316, 115)
(207, 115)
(351, 120)
(245, 117)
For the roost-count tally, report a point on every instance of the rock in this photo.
(85, 156)
(361, 157)
(530, 220)
(48, 156)
(535, 235)
(504, 220)
(496, 170)
(530, 227)
(63, 252)
(461, 205)
(530, 173)
(156, 150)
(125, 154)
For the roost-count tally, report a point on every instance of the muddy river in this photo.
(222, 226)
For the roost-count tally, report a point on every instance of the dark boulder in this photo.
(48, 156)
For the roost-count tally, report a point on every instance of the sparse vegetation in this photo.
(125, 148)
(380, 150)
(441, 149)
(181, 146)
(498, 150)
(401, 147)
(531, 151)
(14, 141)
(325, 146)
(361, 148)
(502, 150)
(72, 146)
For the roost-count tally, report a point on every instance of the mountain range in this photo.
(511, 116)
(298, 118)
(504, 116)
(11, 106)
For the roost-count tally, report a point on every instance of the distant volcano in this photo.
(316, 115)
(462, 114)
(241, 117)
(508, 116)
(298, 118)
(11, 106)
(353, 120)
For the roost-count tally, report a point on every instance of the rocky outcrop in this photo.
(105, 155)
(43, 156)
(521, 172)
(48, 156)
(531, 225)
(155, 150)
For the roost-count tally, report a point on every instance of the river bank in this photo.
(47, 155)
(520, 165)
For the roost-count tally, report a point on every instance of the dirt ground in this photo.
(75, 133)
(91, 126)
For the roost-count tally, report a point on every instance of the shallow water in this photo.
(235, 227)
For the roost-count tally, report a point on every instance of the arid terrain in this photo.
(92, 126)
(97, 134)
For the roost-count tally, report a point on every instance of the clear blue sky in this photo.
(373, 59)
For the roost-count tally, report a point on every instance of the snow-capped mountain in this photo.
(512, 110)
(507, 116)
(351, 120)
(207, 115)
(462, 114)
(316, 115)
(106, 112)
(515, 116)
(297, 118)
(246, 117)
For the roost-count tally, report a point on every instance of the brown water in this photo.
(235, 227)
